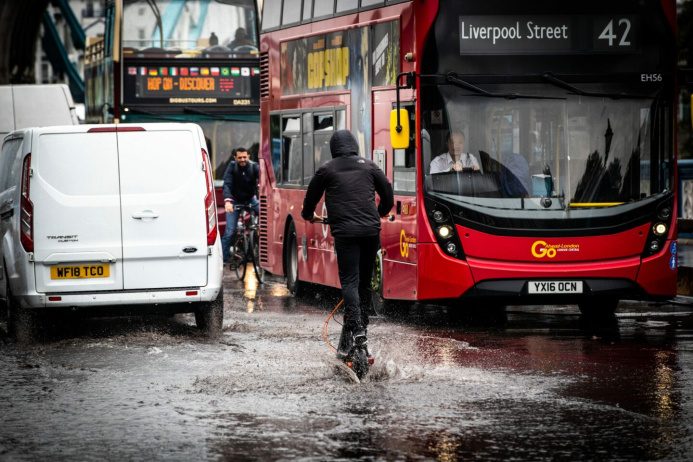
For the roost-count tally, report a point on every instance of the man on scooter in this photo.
(350, 182)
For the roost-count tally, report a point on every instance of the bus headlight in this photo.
(444, 231)
(451, 247)
(660, 229)
(438, 216)
(654, 246)
(665, 213)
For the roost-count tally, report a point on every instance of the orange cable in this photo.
(324, 327)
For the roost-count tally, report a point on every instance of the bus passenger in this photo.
(350, 182)
(241, 39)
(455, 159)
(240, 188)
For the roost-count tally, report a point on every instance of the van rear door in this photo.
(76, 198)
(162, 185)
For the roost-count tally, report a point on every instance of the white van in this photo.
(109, 215)
(24, 106)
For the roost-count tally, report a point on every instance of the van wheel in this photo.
(209, 316)
(292, 282)
(21, 322)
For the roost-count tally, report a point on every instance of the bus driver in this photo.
(455, 159)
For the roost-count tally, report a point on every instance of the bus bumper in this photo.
(445, 278)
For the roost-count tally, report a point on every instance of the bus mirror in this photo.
(399, 119)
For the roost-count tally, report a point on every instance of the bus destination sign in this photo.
(547, 34)
(185, 85)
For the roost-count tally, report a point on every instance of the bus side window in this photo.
(272, 14)
(404, 165)
(291, 151)
(323, 9)
(276, 150)
(308, 159)
(323, 125)
(307, 10)
(292, 12)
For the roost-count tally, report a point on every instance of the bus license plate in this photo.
(80, 272)
(554, 287)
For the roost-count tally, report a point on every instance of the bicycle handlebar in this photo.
(248, 208)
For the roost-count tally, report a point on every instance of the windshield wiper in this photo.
(555, 81)
(452, 78)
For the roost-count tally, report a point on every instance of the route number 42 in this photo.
(609, 34)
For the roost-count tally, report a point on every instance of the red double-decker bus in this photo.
(566, 115)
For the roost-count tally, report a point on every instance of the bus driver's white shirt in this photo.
(444, 162)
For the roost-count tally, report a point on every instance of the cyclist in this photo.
(240, 188)
(350, 182)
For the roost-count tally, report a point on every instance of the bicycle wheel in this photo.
(360, 362)
(241, 260)
(259, 271)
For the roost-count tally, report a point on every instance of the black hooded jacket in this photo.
(349, 182)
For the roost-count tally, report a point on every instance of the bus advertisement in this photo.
(531, 145)
(180, 60)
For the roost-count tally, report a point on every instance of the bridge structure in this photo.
(21, 24)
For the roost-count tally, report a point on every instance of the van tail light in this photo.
(26, 211)
(210, 202)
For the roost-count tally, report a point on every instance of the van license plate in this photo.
(554, 287)
(80, 272)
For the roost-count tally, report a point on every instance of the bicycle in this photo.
(246, 246)
(358, 358)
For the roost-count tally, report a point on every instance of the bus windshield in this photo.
(189, 28)
(582, 151)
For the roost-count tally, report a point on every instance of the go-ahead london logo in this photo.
(541, 249)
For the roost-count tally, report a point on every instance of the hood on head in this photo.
(343, 143)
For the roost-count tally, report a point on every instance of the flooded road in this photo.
(538, 383)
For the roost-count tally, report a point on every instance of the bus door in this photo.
(398, 236)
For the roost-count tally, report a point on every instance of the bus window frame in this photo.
(325, 16)
(300, 14)
(410, 106)
(300, 136)
(294, 134)
(311, 18)
(344, 12)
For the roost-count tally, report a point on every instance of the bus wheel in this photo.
(294, 285)
(599, 308)
(384, 306)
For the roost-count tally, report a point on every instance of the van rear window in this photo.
(78, 164)
(9, 164)
(157, 162)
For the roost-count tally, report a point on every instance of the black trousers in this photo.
(355, 259)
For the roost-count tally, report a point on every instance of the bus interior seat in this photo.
(486, 162)
(514, 175)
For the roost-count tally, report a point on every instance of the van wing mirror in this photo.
(399, 129)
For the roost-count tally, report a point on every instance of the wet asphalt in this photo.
(533, 383)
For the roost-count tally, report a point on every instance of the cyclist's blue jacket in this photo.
(240, 183)
(349, 182)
